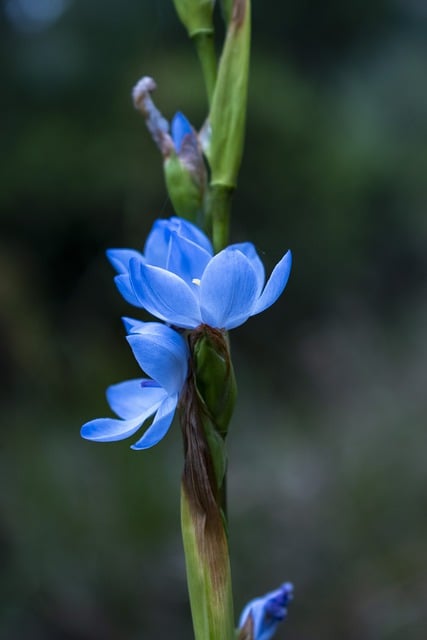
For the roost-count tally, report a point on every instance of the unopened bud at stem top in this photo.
(195, 15)
(184, 166)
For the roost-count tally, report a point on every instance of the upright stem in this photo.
(218, 210)
(205, 46)
(208, 573)
(203, 522)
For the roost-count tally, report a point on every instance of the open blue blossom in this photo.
(163, 354)
(266, 612)
(183, 284)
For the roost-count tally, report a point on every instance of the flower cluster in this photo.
(178, 279)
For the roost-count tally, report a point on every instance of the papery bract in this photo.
(163, 354)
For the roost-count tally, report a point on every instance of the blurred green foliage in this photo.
(332, 496)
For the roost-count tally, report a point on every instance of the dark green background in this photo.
(328, 452)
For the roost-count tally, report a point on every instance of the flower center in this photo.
(196, 281)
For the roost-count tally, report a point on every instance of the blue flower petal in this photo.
(228, 289)
(112, 429)
(133, 326)
(248, 249)
(160, 425)
(162, 353)
(120, 258)
(180, 127)
(124, 285)
(134, 398)
(157, 247)
(186, 258)
(165, 295)
(275, 284)
(189, 231)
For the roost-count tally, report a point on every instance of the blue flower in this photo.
(267, 612)
(163, 354)
(183, 284)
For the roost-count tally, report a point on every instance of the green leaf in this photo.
(226, 122)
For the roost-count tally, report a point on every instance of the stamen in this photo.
(196, 281)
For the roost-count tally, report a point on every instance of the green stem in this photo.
(205, 46)
(202, 520)
(208, 573)
(218, 210)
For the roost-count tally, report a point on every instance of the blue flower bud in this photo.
(184, 166)
(261, 616)
(185, 170)
(180, 128)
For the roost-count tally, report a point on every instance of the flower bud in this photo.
(185, 170)
(184, 166)
(261, 616)
(214, 375)
(195, 15)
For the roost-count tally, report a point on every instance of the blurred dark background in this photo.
(328, 451)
